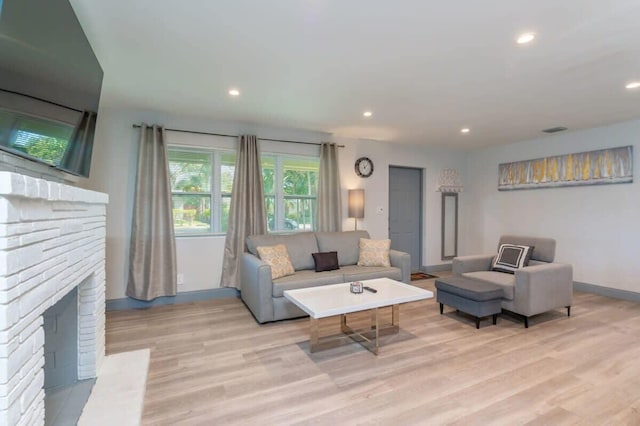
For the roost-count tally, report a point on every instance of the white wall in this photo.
(200, 258)
(596, 227)
(376, 187)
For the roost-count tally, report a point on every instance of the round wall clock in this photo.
(364, 167)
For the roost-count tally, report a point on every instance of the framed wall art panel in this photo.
(604, 166)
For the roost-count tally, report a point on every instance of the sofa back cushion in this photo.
(299, 246)
(544, 248)
(347, 244)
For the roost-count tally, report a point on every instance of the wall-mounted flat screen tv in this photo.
(50, 82)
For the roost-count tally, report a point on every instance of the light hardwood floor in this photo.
(212, 364)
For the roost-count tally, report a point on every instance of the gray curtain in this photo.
(77, 156)
(247, 213)
(152, 257)
(329, 210)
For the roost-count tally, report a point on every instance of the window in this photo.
(202, 182)
(290, 187)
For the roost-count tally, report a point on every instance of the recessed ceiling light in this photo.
(525, 38)
(234, 92)
(465, 130)
(367, 114)
(633, 85)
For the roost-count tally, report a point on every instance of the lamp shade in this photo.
(356, 203)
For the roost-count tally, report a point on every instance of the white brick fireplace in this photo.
(52, 239)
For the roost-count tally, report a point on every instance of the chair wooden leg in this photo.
(569, 310)
(526, 322)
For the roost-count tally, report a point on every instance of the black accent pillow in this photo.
(326, 261)
(512, 257)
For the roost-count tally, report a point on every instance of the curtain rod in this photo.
(137, 126)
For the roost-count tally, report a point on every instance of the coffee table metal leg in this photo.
(314, 338)
(369, 339)
(376, 338)
(395, 315)
(343, 324)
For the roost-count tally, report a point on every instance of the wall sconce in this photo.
(356, 205)
(449, 181)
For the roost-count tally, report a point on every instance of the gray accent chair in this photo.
(542, 286)
(264, 297)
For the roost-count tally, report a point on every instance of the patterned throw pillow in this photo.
(512, 257)
(374, 252)
(278, 258)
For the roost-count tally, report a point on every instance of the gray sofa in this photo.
(537, 288)
(264, 296)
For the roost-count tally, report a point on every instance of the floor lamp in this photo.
(356, 205)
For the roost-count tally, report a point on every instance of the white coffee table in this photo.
(336, 299)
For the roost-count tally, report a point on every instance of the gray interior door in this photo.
(405, 212)
(61, 342)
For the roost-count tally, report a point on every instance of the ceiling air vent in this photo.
(555, 129)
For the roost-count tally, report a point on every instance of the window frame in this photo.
(215, 190)
(217, 195)
(279, 195)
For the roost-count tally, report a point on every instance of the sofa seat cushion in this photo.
(505, 281)
(359, 273)
(304, 279)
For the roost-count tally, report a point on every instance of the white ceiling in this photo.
(425, 68)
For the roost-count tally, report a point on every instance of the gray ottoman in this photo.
(473, 297)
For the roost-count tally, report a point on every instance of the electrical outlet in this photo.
(180, 279)
(380, 210)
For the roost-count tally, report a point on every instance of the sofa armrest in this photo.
(402, 260)
(541, 288)
(481, 262)
(256, 288)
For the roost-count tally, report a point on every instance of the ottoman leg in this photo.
(526, 322)
(495, 319)
(441, 308)
(477, 322)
